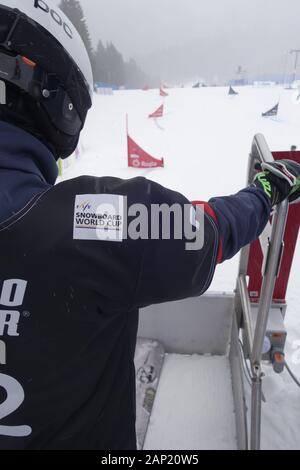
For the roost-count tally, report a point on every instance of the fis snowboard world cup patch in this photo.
(99, 217)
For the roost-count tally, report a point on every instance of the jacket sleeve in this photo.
(241, 218)
(170, 270)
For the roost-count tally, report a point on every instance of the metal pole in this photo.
(261, 151)
(246, 307)
(256, 399)
(271, 274)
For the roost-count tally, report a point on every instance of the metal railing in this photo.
(255, 334)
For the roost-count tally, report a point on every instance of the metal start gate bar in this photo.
(268, 264)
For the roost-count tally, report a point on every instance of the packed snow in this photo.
(207, 425)
(205, 137)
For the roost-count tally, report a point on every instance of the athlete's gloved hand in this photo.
(279, 180)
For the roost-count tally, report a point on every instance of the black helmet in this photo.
(46, 80)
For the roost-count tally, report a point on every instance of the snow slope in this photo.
(205, 138)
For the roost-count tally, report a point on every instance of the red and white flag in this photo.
(163, 92)
(138, 158)
(158, 113)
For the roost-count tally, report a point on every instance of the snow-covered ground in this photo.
(205, 138)
(202, 395)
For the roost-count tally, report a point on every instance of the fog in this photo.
(188, 39)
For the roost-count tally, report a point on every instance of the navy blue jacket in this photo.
(69, 304)
(27, 168)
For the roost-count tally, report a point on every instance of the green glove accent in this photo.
(280, 180)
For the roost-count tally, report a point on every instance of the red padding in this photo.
(211, 213)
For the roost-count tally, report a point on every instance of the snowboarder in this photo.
(69, 299)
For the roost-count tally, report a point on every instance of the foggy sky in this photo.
(166, 36)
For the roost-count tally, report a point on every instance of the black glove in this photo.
(279, 180)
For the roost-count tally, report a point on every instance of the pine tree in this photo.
(115, 64)
(101, 66)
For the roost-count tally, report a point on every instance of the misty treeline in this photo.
(107, 62)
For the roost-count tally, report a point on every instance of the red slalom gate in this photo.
(163, 92)
(158, 113)
(290, 239)
(138, 158)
